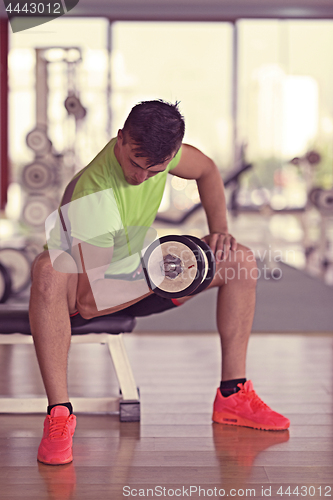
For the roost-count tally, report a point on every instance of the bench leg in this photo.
(39, 404)
(129, 406)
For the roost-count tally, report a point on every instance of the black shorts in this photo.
(152, 304)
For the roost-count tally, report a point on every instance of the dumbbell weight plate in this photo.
(74, 107)
(314, 194)
(325, 201)
(210, 265)
(18, 265)
(36, 210)
(173, 266)
(72, 104)
(5, 284)
(33, 248)
(36, 176)
(313, 157)
(38, 141)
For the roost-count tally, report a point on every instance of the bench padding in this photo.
(17, 321)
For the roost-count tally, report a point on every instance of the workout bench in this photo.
(15, 329)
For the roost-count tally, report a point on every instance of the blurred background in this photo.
(255, 84)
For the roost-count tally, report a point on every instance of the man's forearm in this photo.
(106, 296)
(113, 293)
(211, 190)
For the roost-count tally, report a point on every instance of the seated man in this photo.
(119, 190)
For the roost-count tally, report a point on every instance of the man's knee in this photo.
(40, 264)
(244, 264)
(240, 265)
(41, 272)
(46, 274)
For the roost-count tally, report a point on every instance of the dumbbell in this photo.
(36, 209)
(37, 176)
(176, 266)
(74, 107)
(38, 141)
(18, 264)
(325, 201)
(322, 199)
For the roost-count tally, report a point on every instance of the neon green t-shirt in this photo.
(104, 210)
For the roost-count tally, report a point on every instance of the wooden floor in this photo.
(176, 446)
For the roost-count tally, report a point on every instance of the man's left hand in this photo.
(221, 244)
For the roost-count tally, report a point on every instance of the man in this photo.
(106, 212)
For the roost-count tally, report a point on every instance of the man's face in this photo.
(136, 170)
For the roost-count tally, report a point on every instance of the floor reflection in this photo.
(102, 457)
(236, 449)
(60, 480)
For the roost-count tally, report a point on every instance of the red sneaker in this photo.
(245, 408)
(56, 445)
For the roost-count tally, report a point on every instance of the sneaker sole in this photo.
(231, 419)
(62, 462)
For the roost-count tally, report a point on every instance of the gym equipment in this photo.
(33, 247)
(5, 284)
(38, 141)
(211, 268)
(322, 199)
(46, 173)
(176, 266)
(18, 265)
(15, 329)
(230, 180)
(37, 176)
(74, 107)
(325, 201)
(36, 210)
(313, 157)
(313, 195)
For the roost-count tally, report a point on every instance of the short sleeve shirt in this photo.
(105, 211)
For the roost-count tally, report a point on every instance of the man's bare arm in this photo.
(96, 295)
(195, 165)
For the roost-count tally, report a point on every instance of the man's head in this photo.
(150, 138)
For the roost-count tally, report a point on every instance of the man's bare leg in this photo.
(52, 299)
(236, 279)
(236, 299)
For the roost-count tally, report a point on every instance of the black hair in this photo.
(156, 128)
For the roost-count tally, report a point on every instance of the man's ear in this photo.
(120, 137)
